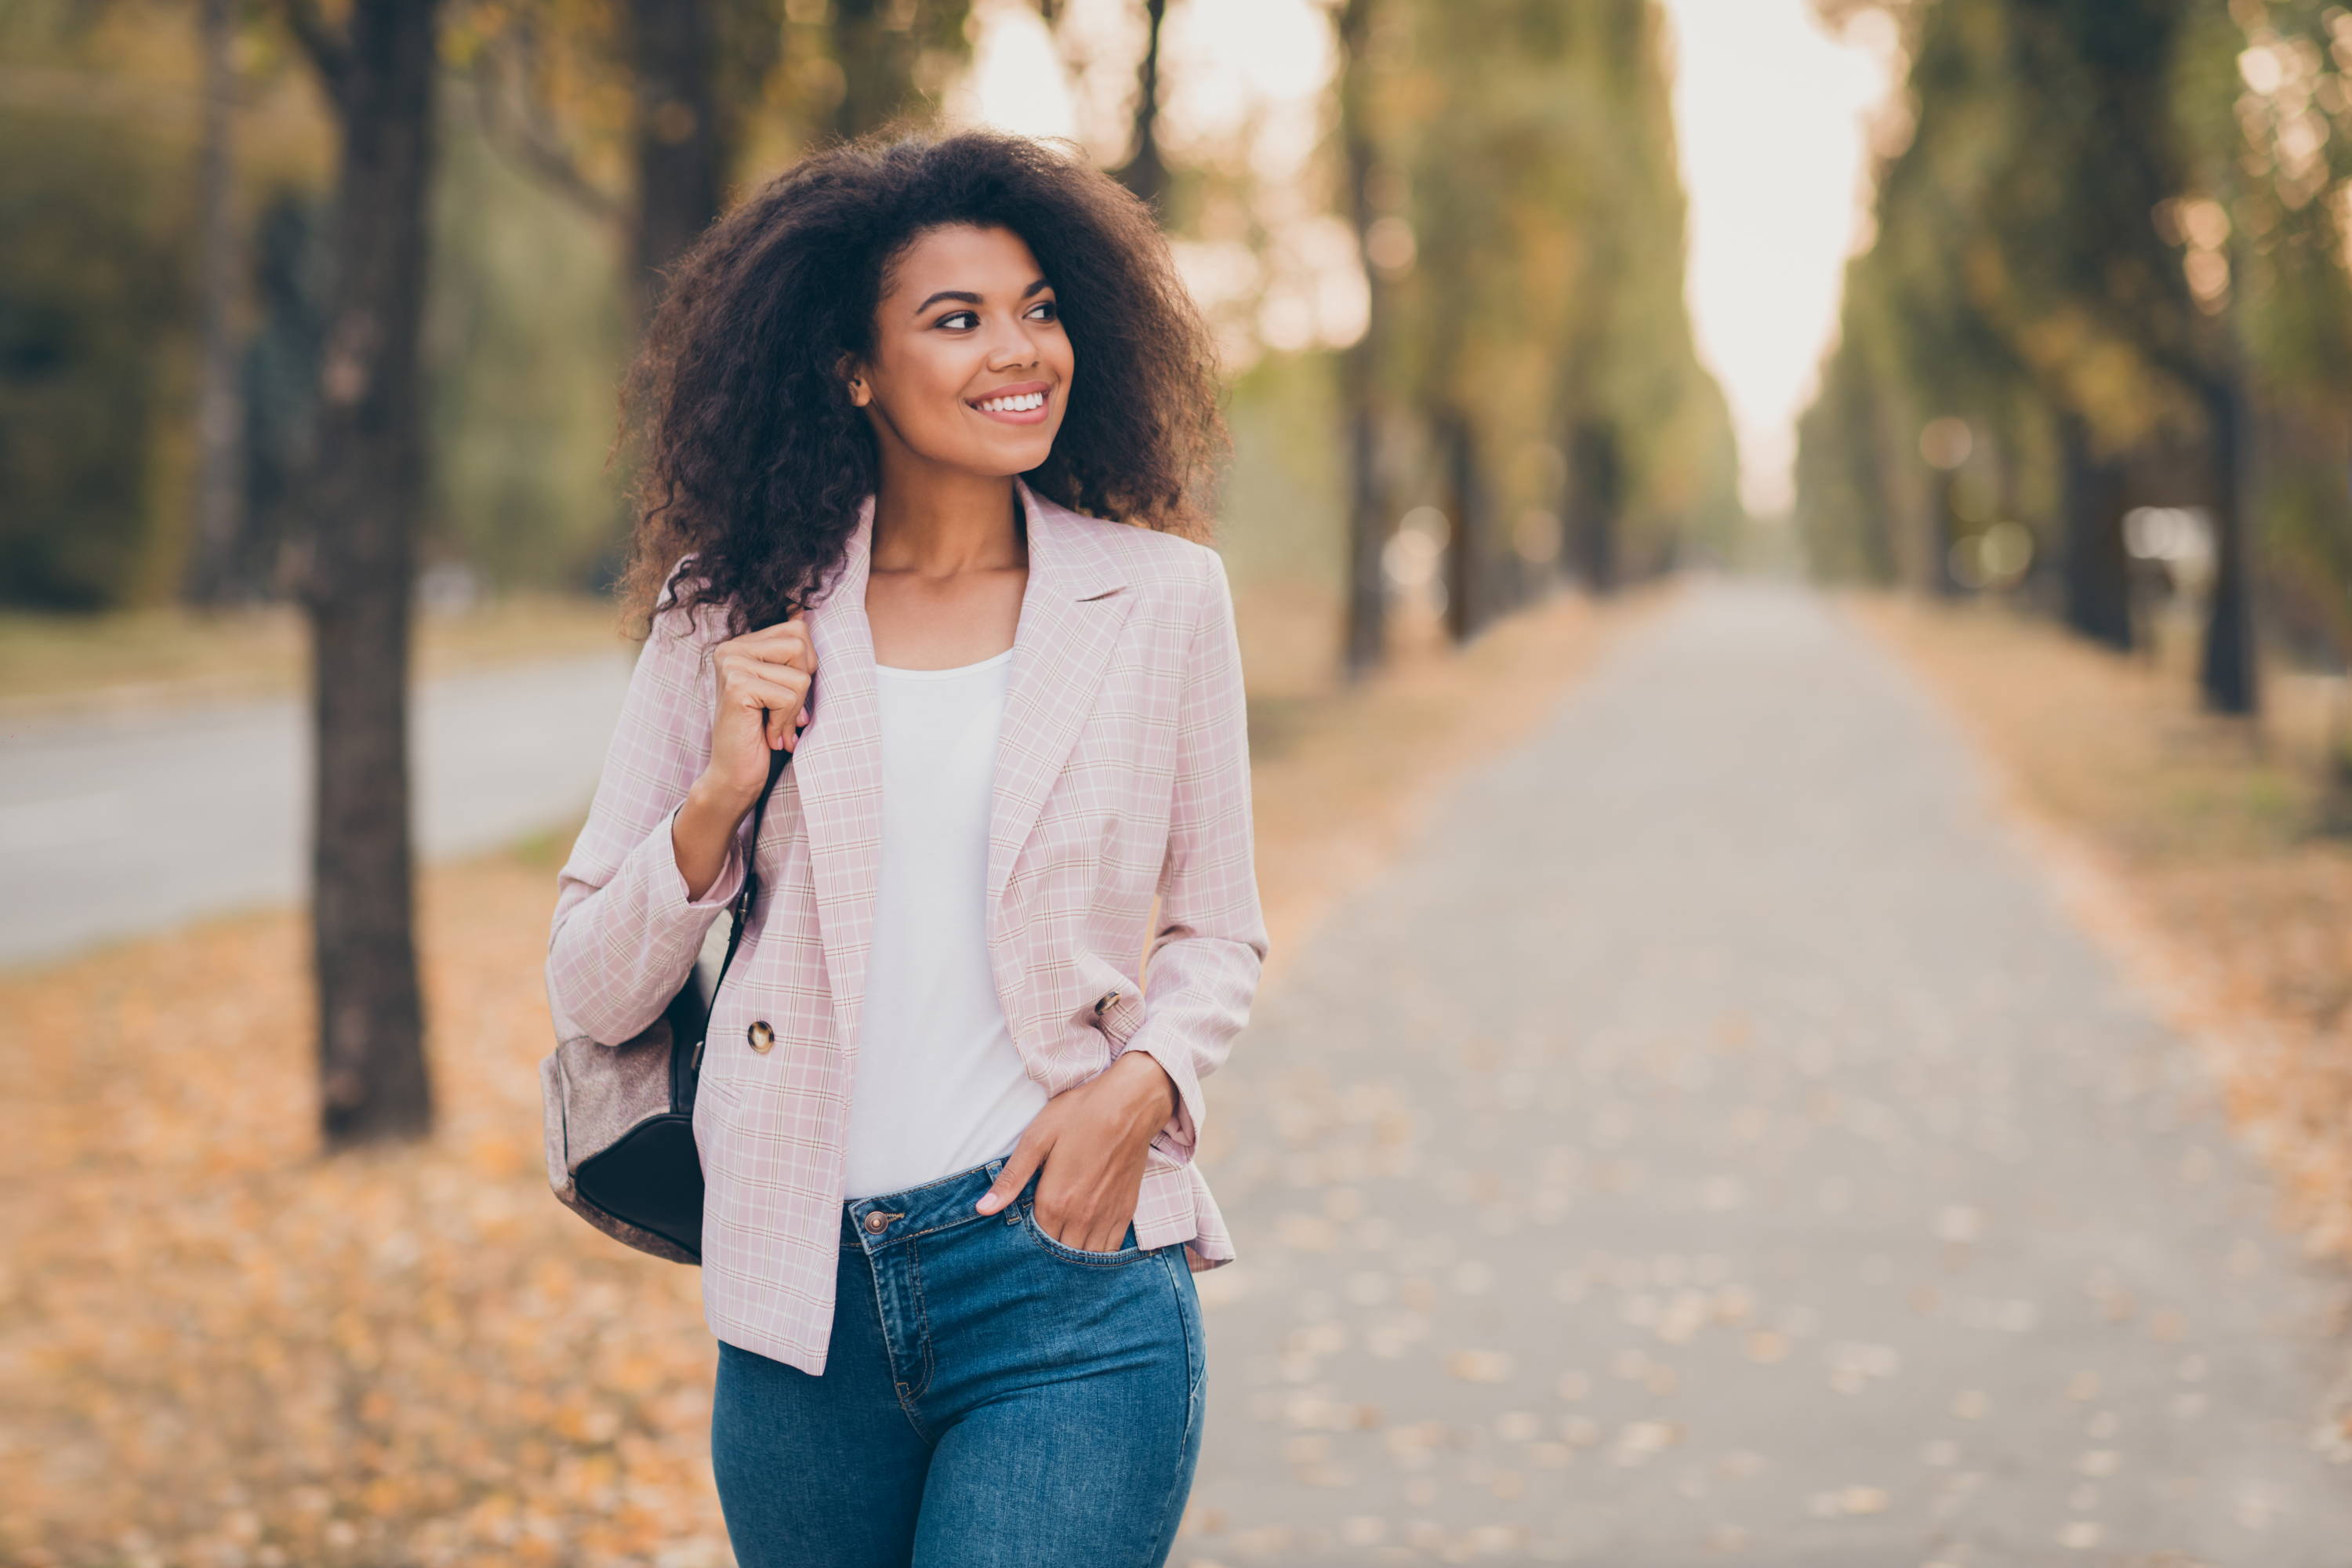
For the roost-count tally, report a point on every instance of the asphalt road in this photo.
(117, 824)
(1711, 1143)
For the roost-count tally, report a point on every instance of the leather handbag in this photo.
(620, 1118)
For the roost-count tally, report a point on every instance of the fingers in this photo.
(1108, 1232)
(737, 666)
(1027, 1155)
(782, 689)
(753, 667)
(778, 700)
(786, 642)
(1101, 1234)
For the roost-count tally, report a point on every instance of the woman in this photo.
(952, 1215)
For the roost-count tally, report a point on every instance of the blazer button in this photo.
(1108, 999)
(760, 1035)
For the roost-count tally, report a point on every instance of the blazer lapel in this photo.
(1071, 613)
(838, 768)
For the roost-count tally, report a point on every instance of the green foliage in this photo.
(93, 356)
(526, 336)
(1283, 506)
(1847, 507)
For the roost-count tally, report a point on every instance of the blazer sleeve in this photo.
(624, 932)
(1211, 944)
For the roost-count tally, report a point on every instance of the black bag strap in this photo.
(739, 908)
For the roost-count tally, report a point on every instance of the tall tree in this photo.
(2096, 567)
(1365, 637)
(2113, 64)
(1595, 499)
(682, 141)
(1144, 171)
(363, 492)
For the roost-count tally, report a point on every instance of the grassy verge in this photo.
(217, 1347)
(2202, 850)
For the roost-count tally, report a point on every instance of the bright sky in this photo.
(1770, 113)
(1771, 110)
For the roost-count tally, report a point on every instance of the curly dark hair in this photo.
(755, 460)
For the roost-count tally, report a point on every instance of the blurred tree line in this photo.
(303, 296)
(1529, 373)
(2110, 290)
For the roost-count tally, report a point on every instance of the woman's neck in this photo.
(938, 523)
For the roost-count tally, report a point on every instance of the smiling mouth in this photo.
(1018, 403)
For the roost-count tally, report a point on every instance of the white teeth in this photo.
(1022, 404)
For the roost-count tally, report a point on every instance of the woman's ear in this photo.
(853, 375)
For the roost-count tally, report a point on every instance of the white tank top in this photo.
(940, 1086)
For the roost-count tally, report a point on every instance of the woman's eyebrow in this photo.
(969, 298)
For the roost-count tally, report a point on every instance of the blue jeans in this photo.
(991, 1399)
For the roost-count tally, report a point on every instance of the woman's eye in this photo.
(965, 320)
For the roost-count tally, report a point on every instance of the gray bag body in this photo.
(620, 1118)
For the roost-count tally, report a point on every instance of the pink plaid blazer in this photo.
(1123, 770)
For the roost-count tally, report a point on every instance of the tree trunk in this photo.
(877, 63)
(279, 380)
(1467, 573)
(1367, 504)
(1944, 532)
(364, 496)
(2228, 673)
(1596, 495)
(212, 576)
(2098, 568)
(1145, 173)
(681, 151)
(1368, 521)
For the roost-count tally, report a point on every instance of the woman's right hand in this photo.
(763, 682)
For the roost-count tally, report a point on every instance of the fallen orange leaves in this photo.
(217, 1346)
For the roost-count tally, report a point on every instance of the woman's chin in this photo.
(1002, 459)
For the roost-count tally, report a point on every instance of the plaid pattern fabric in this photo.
(1122, 774)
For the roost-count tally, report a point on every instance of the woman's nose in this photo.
(1017, 349)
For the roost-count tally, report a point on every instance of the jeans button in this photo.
(875, 1222)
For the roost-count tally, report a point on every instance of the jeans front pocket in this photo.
(1130, 1253)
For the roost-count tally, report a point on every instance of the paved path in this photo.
(116, 824)
(1711, 1144)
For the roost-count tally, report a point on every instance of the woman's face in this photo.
(970, 369)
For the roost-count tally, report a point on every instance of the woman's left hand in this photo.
(1096, 1135)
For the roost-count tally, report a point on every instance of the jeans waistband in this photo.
(886, 1218)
